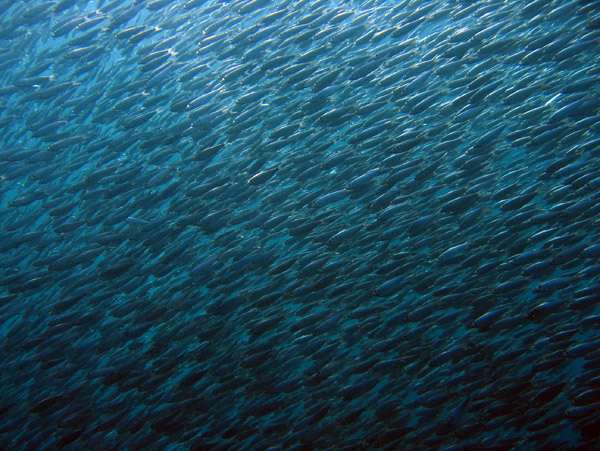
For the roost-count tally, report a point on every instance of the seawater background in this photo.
(154, 295)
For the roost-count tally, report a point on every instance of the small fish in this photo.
(262, 177)
(314, 224)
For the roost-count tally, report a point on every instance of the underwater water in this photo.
(341, 225)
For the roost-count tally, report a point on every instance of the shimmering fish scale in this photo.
(316, 224)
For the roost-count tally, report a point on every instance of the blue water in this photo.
(299, 225)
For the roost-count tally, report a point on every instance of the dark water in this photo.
(300, 225)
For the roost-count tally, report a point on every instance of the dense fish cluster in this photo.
(300, 224)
